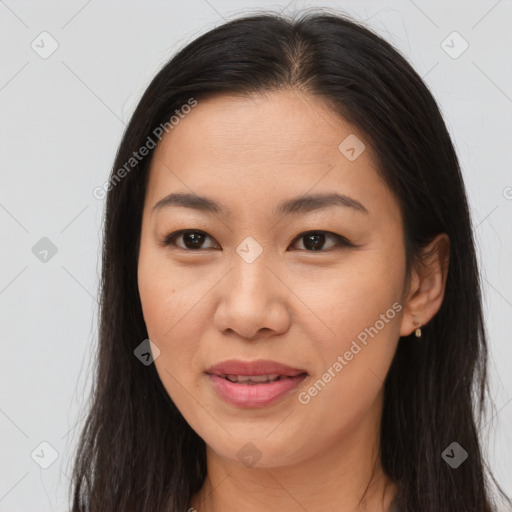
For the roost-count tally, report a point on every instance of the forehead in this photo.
(284, 125)
(261, 146)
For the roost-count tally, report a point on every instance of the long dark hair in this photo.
(136, 451)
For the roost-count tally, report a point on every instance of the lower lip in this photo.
(254, 395)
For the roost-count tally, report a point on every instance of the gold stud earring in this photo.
(417, 332)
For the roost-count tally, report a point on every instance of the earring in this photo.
(417, 332)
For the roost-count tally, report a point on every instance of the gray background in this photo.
(61, 121)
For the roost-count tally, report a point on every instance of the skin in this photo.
(292, 304)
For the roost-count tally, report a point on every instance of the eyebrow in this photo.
(297, 205)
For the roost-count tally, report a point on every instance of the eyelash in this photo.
(341, 241)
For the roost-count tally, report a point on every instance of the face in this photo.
(304, 295)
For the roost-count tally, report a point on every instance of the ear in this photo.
(427, 285)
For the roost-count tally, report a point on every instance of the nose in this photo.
(252, 301)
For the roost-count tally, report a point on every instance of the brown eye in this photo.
(192, 240)
(315, 240)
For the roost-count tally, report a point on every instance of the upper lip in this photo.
(256, 367)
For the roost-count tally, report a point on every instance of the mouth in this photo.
(254, 379)
(254, 383)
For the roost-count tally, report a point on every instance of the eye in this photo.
(193, 240)
(314, 240)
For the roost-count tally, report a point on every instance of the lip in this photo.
(254, 395)
(256, 367)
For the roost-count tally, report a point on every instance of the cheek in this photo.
(175, 319)
(163, 303)
(344, 302)
(169, 317)
(356, 329)
(168, 293)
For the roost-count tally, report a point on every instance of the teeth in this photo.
(248, 379)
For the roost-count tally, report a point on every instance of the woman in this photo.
(287, 223)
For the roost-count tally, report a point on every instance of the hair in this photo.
(136, 451)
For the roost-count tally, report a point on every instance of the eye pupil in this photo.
(197, 239)
(317, 241)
